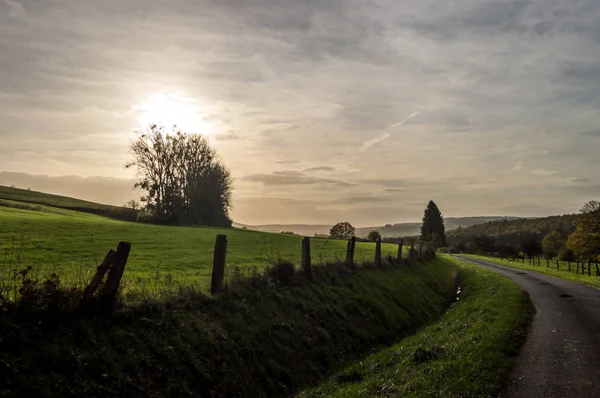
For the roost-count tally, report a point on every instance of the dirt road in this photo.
(561, 357)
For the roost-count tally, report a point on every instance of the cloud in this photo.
(360, 200)
(368, 144)
(542, 172)
(15, 9)
(517, 166)
(228, 136)
(319, 168)
(286, 161)
(286, 178)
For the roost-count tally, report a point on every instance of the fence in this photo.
(589, 268)
(220, 258)
(113, 265)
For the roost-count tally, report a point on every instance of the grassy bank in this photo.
(249, 342)
(550, 269)
(467, 353)
(71, 243)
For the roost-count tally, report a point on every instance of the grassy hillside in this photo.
(27, 196)
(469, 352)
(248, 343)
(71, 243)
(514, 232)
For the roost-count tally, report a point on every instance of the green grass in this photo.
(551, 270)
(71, 244)
(475, 344)
(24, 195)
(245, 343)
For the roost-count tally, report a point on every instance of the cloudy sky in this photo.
(323, 110)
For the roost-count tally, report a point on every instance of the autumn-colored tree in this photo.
(342, 230)
(552, 243)
(585, 241)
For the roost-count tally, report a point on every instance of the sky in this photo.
(323, 110)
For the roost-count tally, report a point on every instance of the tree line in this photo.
(568, 237)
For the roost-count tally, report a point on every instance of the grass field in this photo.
(71, 243)
(550, 269)
(467, 353)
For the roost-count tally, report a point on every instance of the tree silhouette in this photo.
(432, 228)
(342, 230)
(184, 180)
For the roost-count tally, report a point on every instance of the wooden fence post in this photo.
(378, 252)
(350, 252)
(569, 265)
(111, 287)
(523, 258)
(590, 267)
(597, 270)
(101, 270)
(557, 265)
(219, 261)
(399, 258)
(306, 264)
(547, 262)
(577, 269)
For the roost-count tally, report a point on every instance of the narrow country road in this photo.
(561, 357)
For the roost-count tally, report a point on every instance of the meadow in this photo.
(71, 243)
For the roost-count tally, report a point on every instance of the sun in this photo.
(172, 110)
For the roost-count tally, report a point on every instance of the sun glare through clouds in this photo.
(172, 110)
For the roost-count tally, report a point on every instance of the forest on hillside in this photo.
(570, 236)
(514, 232)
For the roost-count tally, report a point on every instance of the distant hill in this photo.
(514, 232)
(389, 230)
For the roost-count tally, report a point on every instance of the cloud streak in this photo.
(370, 143)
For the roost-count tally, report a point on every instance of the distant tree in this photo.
(13, 186)
(388, 225)
(432, 228)
(184, 180)
(288, 233)
(374, 235)
(552, 243)
(342, 230)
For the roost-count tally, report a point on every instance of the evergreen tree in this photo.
(433, 229)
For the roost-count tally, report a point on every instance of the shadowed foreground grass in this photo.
(550, 269)
(257, 340)
(467, 353)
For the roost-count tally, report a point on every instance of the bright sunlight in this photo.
(172, 110)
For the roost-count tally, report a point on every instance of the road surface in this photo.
(561, 356)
